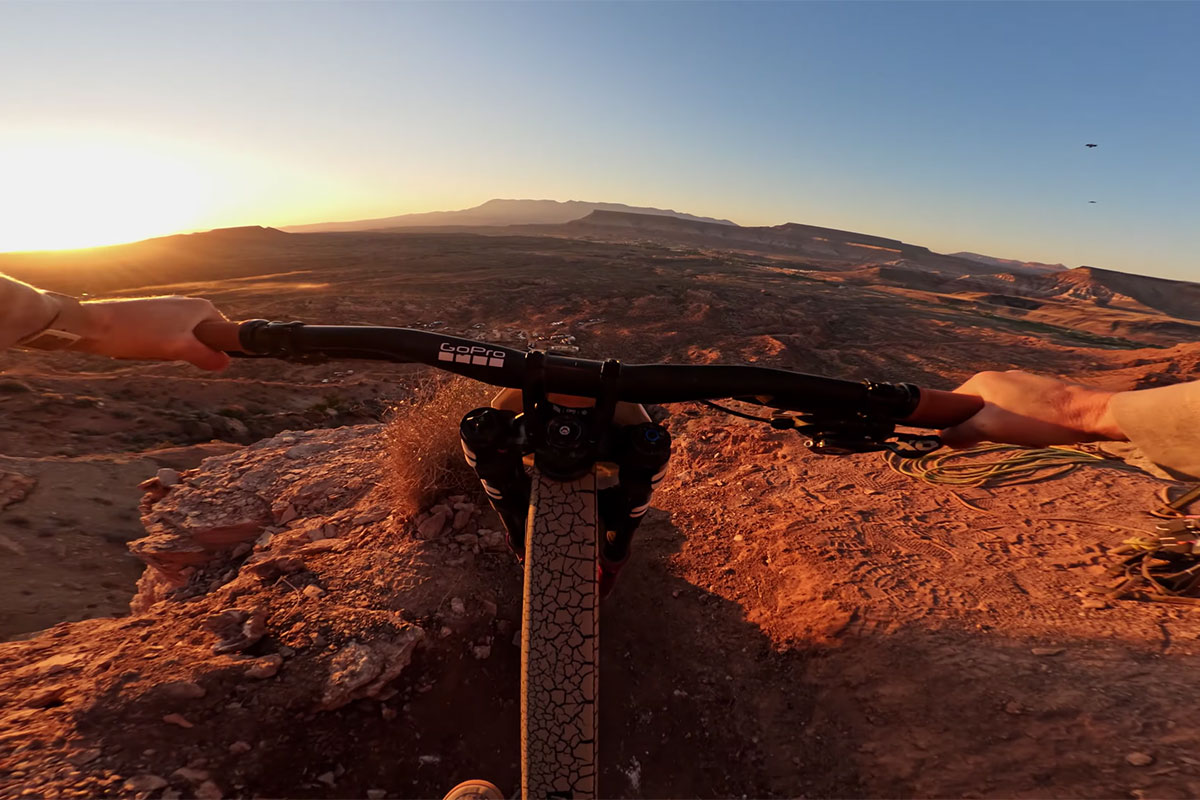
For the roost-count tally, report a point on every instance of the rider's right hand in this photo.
(151, 328)
(1033, 410)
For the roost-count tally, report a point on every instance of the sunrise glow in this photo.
(85, 192)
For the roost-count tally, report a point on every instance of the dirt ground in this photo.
(790, 625)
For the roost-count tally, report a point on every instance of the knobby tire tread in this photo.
(559, 641)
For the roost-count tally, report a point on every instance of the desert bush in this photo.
(423, 456)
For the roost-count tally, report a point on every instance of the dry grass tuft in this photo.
(423, 455)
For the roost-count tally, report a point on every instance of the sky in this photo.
(957, 126)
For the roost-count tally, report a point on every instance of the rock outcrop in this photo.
(280, 590)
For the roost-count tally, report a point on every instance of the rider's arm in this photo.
(23, 311)
(1033, 410)
(152, 328)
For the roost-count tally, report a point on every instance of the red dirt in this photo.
(790, 625)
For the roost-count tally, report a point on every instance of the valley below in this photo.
(791, 625)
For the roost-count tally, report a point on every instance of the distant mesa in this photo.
(1102, 287)
(243, 232)
(498, 212)
(1011, 264)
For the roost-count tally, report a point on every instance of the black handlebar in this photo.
(637, 383)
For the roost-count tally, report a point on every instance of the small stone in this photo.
(445, 632)
(47, 697)
(326, 545)
(372, 516)
(239, 747)
(274, 566)
(238, 628)
(457, 606)
(461, 518)
(1138, 759)
(327, 778)
(481, 651)
(313, 591)
(265, 667)
(1013, 707)
(167, 476)
(309, 449)
(492, 540)
(674, 593)
(288, 514)
(144, 783)
(191, 775)
(1047, 651)
(739, 538)
(55, 664)
(424, 760)
(177, 719)
(181, 690)
(1094, 602)
(376, 794)
(388, 713)
(209, 791)
(432, 527)
(81, 757)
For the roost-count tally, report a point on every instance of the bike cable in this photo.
(732, 412)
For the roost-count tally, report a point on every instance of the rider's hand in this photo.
(1032, 410)
(152, 328)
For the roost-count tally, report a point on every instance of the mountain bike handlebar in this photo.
(497, 365)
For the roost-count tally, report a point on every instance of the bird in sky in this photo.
(1091, 145)
(1091, 201)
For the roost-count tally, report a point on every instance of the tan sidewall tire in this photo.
(560, 641)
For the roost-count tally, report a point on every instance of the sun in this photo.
(72, 192)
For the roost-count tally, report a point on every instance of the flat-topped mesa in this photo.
(812, 241)
(848, 237)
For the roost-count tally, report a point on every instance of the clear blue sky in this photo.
(959, 126)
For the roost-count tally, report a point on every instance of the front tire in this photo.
(560, 641)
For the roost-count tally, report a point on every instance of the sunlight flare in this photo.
(72, 193)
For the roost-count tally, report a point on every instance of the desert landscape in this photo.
(212, 586)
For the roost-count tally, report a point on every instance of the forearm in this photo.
(151, 328)
(23, 311)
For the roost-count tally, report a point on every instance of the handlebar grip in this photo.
(938, 409)
(220, 335)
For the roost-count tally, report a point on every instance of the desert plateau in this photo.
(210, 587)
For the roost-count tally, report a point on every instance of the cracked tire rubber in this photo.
(559, 641)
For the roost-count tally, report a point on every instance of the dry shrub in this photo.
(424, 457)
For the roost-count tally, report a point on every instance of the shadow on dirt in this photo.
(698, 702)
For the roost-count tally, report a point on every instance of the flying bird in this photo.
(1091, 201)
(1091, 145)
